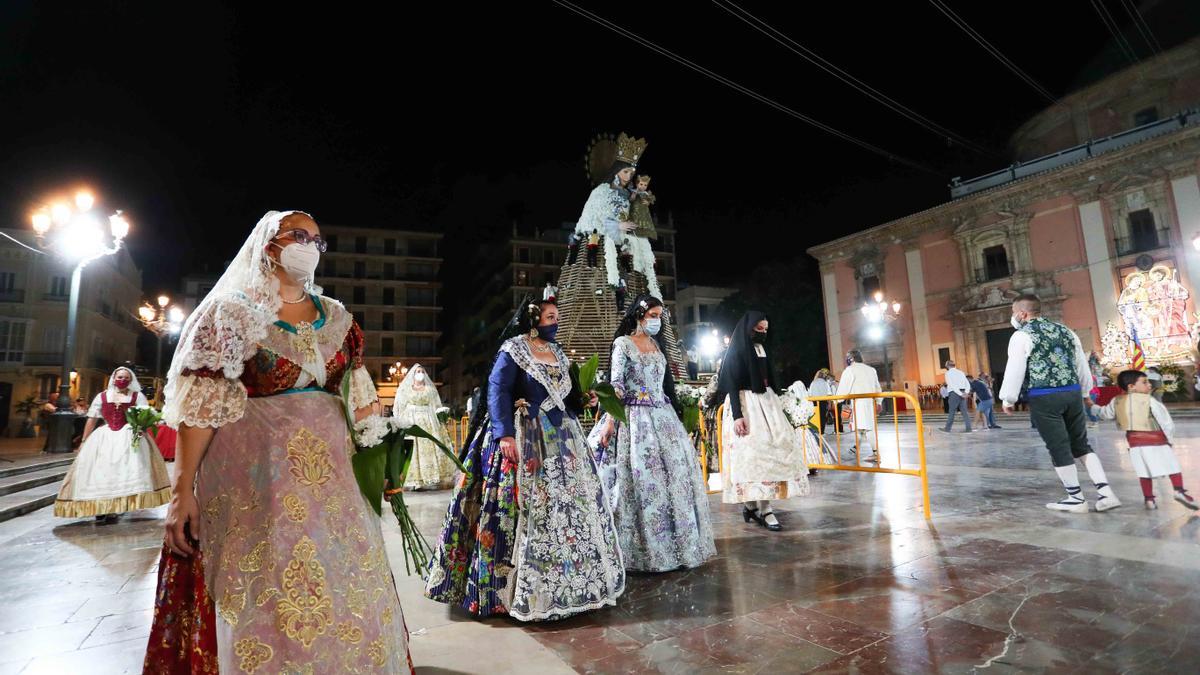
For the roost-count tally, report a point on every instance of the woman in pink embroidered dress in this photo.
(273, 560)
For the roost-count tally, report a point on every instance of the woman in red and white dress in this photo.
(111, 475)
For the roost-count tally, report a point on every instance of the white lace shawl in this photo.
(556, 391)
(200, 401)
(223, 333)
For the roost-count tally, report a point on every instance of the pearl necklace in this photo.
(302, 298)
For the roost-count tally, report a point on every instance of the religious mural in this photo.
(1153, 306)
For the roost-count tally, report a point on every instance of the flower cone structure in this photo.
(587, 319)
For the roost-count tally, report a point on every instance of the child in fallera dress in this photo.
(1148, 430)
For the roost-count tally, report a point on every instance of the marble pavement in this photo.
(858, 582)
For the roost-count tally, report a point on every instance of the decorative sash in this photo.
(1139, 439)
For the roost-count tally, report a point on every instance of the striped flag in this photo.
(1139, 357)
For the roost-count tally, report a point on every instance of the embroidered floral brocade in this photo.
(362, 389)
(207, 398)
(183, 638)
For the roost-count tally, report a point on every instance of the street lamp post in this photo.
(75, 235)
(880, 314)
(162, 322)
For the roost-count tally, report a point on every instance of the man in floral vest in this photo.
(1048, 357)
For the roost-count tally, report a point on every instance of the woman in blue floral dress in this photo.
(652, 477)
(527, 532)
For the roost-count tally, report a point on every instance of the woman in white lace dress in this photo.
(417, 402)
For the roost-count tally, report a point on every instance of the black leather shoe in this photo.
(752, 514)
(763, 521)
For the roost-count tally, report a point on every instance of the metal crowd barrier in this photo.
(921, 472)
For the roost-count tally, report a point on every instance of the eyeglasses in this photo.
(301, 236)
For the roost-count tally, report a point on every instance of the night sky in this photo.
(465, 116)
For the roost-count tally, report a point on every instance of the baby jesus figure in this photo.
(639, 208)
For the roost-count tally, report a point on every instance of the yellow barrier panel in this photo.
(457, 430)
(920, 472)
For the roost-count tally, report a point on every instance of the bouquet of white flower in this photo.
(798, 409)
(385, 450)
(443, 415)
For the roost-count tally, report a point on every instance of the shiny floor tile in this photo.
(857, 581)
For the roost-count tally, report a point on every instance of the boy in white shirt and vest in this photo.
(1048, 356)
(1148, 429)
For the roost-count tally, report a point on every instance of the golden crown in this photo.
(643, 178)
(629, 149)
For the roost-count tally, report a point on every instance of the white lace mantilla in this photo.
(558, 388)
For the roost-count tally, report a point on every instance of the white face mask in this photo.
(299, 261)
(419, 377)
(652, 326)
(1017, 324)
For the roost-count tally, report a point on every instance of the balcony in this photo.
(1143, 242)
(13, 295)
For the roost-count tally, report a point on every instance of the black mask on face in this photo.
(758, 337)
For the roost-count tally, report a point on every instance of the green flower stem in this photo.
(416, 549)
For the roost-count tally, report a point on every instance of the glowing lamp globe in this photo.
(82, 238)
(84, 200)
(41, 223)
(61, 213)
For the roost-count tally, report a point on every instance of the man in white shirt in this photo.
(959, 389)
(859, 378)
(1047, 357)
